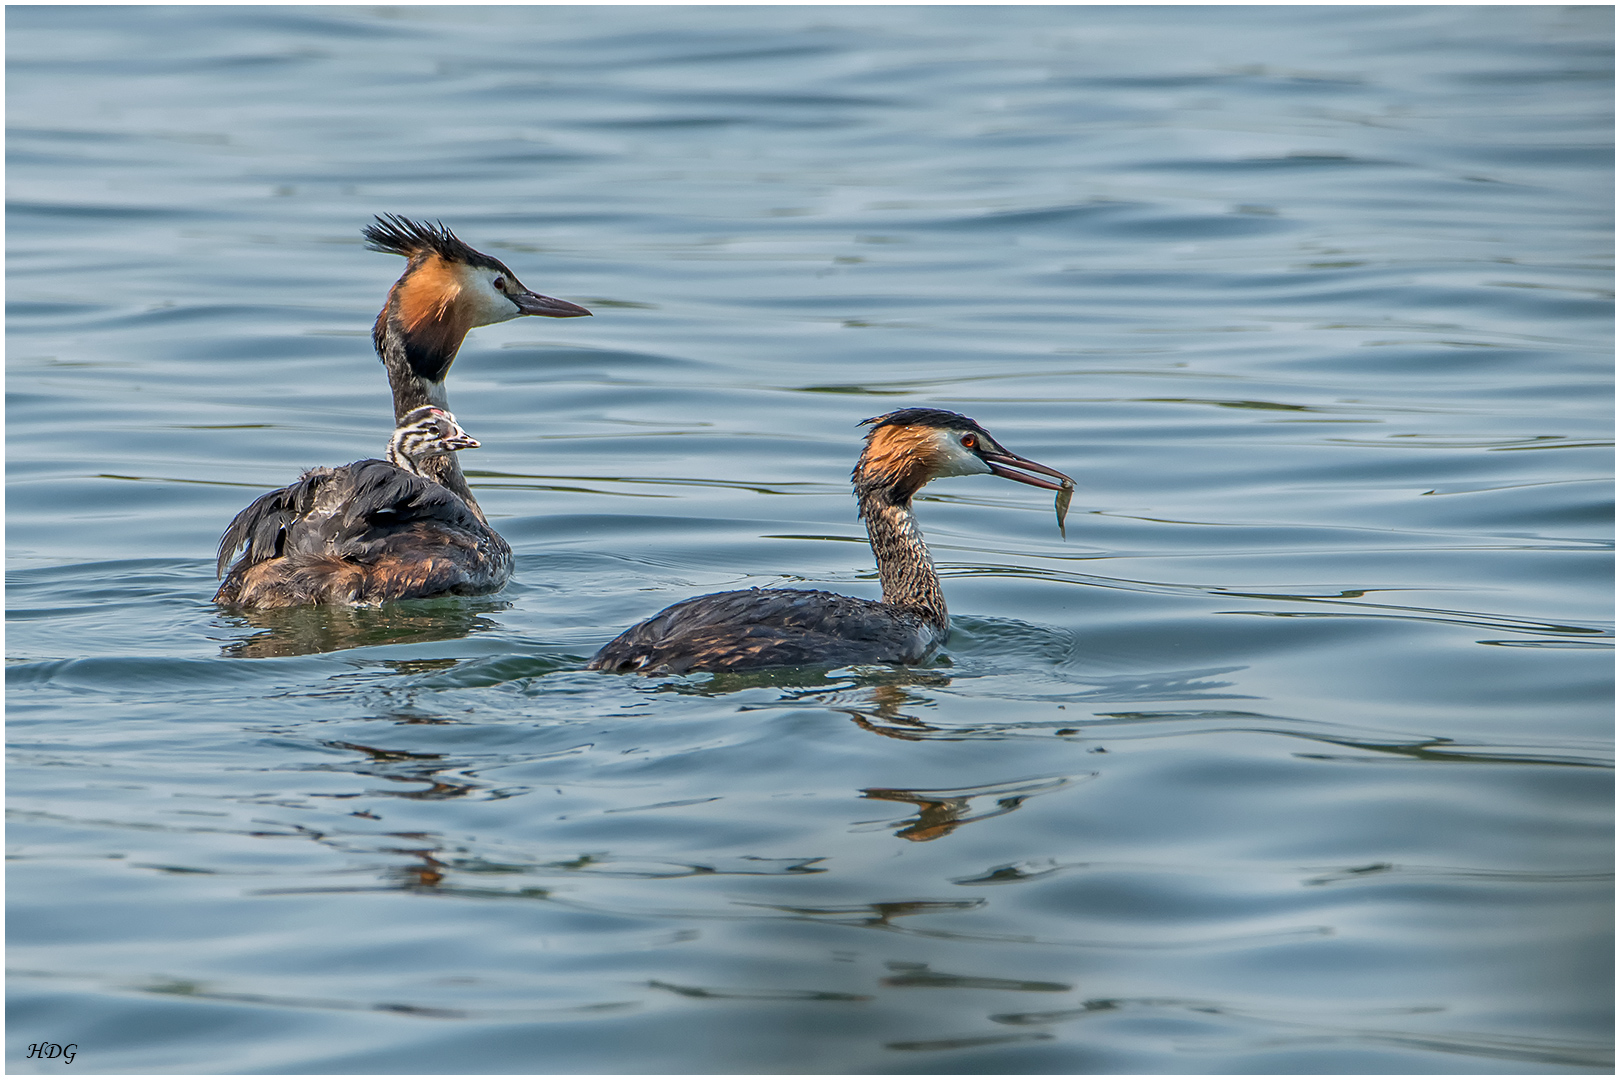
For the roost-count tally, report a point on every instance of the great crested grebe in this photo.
(365, 532)
(756, 628)
(446, 290)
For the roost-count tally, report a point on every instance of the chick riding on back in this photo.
(296, 551)
(366, 532)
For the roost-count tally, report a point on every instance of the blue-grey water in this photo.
(1295, 756)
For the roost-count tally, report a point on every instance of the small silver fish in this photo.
(1065, 493)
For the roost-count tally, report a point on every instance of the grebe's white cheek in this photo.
(956, 459)
(489, 304)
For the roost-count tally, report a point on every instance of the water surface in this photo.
(1294, 756)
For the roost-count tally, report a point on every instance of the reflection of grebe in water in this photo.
(366, 532)
(755, 628)
(447, 289)
(325, 628)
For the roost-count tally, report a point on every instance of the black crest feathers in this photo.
(395, 235)
(934, 418)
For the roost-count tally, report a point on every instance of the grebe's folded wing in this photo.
(261, 528)
(340, 512)
(753, 628)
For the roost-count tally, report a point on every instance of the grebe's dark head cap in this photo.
(395, 235)
(943, 419)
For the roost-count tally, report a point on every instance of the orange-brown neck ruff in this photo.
(899, 459)
(433, 323)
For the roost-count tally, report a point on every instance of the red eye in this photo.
(970, 441)
(500, 284)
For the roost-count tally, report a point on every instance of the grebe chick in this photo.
(366, 532)
(446, 290)
(426, 433)
(757, 628)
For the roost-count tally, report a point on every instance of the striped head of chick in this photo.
(427, 432)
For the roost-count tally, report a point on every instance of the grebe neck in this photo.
(416, 375)
(904, 565)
